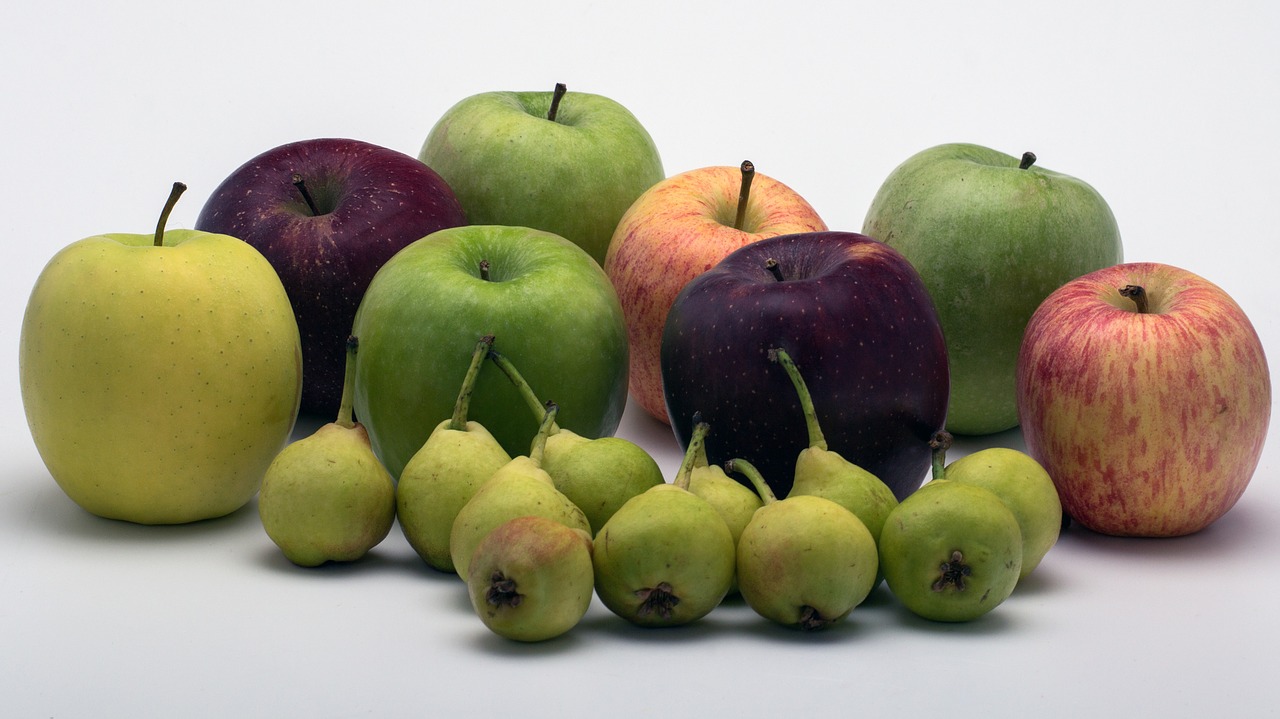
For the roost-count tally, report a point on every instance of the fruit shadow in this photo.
(1247, 527)
(62, 517)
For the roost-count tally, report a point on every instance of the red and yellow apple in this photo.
(1143, 390)
(679, 229)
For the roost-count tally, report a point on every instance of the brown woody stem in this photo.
(174, 194)
(744, 193)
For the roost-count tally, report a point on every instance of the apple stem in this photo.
(348, 385)
(301, 184)
(484, 270)
(545, 429)
(521, 384)
(174, 193)
(1139, 297)
(556, 97)
(1028, 159)
(940, 442)
(780, 356)
(463, 403)
(697, 448)
(744, 193)
(772, 266)
(748, 470)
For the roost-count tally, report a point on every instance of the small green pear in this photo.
(518, 488)
(443, 475)
(951, 551)
(666, 557)
(599, 475)
(1025, 487)
(531, 579)
(804, 561)
(326, 497)
(822, 472)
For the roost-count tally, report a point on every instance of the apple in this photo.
(852, 313)
(569, 163)
(1143, 390)
(677, 230)
(160, 373)
(327, 213)
(549, 307)
(992, 235)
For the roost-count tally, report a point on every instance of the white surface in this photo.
(1168, 109)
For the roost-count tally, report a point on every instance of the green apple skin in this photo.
(574, 176)
(550, 308)
(159, 382)
(991, 241)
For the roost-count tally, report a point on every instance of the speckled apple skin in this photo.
(1149, 424)
(674, 232)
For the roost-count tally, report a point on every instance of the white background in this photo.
(1169, 109)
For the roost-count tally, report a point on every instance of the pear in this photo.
(518, 488)
(804, 561)
(326, 497)
(439, 479)
(1025, 487)
(951, 551)
(530, 579)
(822, 472)
(599, 475)
(666, 557)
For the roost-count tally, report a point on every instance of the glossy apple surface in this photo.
(677, 230)
(159, 382)
(857, 321)
(991, 239)
(549, 307)
(1149, 423)
(573, 176)
(369, 201)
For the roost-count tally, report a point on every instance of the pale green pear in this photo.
(442, 476)
(327, 497)
(519, 488)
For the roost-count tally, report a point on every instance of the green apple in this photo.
(160, 373)
(570, 163)
(549, 307)
(991, 235)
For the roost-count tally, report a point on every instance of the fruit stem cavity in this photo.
(463, 403)
(816, 438)
(174, 193)
(1139, 297)
(556, 97)
(744, 193)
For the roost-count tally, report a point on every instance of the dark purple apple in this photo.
(856, 319)
(327, 213)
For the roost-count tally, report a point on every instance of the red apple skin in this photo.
(374, 201)
(675, 231)
(1151, 425)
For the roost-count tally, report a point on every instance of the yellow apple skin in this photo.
(674, 232)
(159, 382)
(1150, 424)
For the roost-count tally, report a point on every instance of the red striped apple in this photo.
(679, 229)
(1143, 390)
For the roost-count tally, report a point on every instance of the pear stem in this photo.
(556, 97)
(772, 266)
(697, 447)
(748, 470)
(744, 193)
(1028, 159)
(1139, 297)
(539, 445)
(348, 385)
(816, 438)
(940, 442)
(463, 403)
(536, 406)
(174, 193)
(301, 184)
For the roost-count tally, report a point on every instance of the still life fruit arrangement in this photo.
(476, 318)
